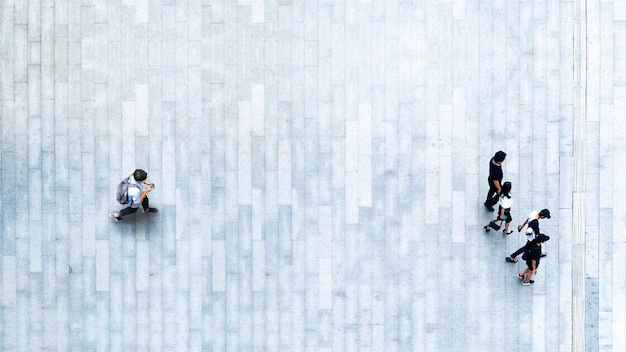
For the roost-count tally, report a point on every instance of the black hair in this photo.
(499, 156)
(545, 213)
(140, 175)
(506, 189)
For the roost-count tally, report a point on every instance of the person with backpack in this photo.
(133, 191)
(532, 256)
(495, 179)
(504, 210)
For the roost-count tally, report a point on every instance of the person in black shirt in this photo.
(532, 257)
(531, 233)
(495, 180)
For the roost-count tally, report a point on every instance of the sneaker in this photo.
(527, 283)
(489, 207)
(150, 210)
(520, 276)
(543, 254)
(117, 218)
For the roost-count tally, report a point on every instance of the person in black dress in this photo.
(532, 257)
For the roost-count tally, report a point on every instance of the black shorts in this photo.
(507, 214)
(529, 263)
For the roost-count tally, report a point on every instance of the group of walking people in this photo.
(500, 194)
(133, 191)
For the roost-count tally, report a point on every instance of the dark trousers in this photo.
(130, 210)
(528, 245)
(492, 195)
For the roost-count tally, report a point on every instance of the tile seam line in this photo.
(579, 192)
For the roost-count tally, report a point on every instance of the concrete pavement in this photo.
(320, 170)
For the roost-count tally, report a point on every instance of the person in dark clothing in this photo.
(495, 180)
(532, 257)
(531, 232)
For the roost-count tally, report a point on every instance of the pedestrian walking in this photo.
(495, 179)
(543, 214)
(531, 232)
(133, 192)
(532, 256)
(504, 210)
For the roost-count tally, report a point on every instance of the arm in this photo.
(498, 187)
(534, 226)
(146, 191)
(520, 227)
(529, 231)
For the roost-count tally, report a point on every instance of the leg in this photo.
(492, 197)
(145, 204)
(490, 194)
(126, 211)
(521, 250)
(507, 221)
(529, 274)
(495, 198)
(522, 275)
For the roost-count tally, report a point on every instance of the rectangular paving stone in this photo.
(619, 73)
(49, 279)
(102, 265)
(619, 306)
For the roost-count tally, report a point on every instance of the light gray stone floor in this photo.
(320, 170)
